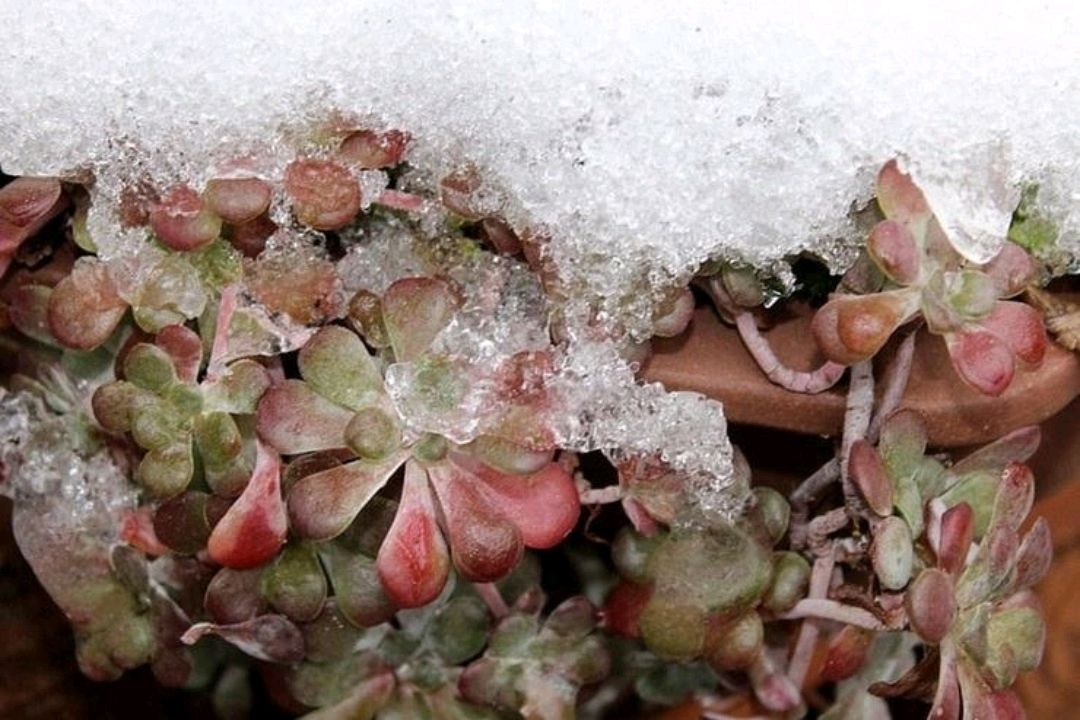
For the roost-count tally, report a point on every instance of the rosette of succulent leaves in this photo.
(275, 478)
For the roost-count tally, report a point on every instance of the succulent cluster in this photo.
(314, 480)
(911, 270)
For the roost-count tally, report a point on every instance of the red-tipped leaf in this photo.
(238, 200)
(84, 307)
(324, 194)
(1020, 327)
(983, 361)
(254, 527)
(295, 419)
(323, 504)
(894, 250)
(413, 562)
(415, 310)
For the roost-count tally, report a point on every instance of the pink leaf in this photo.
(371, 150)
(233, 596)
(850, 328)
(254, 527)
(137, 530)
(1035, 555)
(1015, 496)
(325, 195)
(931, 605)
(323, 504)
(544, 505)
(957, 532)
(947, 697)
(184, 346)
(1017, 446)
(238, 200)
(401, 200)
(413, 562)
(1011, 270)
(982, 360)
(484, 544)
(294, 419)
(1020, 327)
(182, 221)
(26, 204)
(415, 310)
(870, 478)
(84, 307)
(899, 198)
(894, 249)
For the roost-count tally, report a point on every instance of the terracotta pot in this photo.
(711, 359)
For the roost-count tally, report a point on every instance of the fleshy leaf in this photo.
(1017, 446)
(1014, 640)
(1015, 496)
(899, 198)
(892, 553)
(507, 456)
(1020, 327)
(1011, 270)
(484, 544)
(870, 478)
(903, 442)
(295, 419)
(415, 310)
(1035, 555)
(983, 360)
(970, 293)
(931, 605)
(84, 308)
(294, 584)
(323, 504)
(846, 653)
(167, 470)
(789, 584)
(544, 505)
(233, 596)
(956, 534)
(268, 637)
(894, 249)
(254, 527)
(184, 347)
(238, 200)
(357, 590)
(182, 221)
(181, 522)
(239, 389)
(413, 562)
(26, 204)
(372, 150)
(324, 194)
(850, 328)
(336, 365)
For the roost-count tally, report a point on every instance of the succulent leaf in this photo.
(415, 310)
(322, 505)
(253, 529)
(295, 419)
(272, 638)
(413, 562)
(324, 194)
(336, 365)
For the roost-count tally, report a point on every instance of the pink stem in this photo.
(860, 404)
(808, 633)
(895, 384)
(825, 609)
(401, 200)
(802, 382)
(493, 599)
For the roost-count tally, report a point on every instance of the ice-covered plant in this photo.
(915, 272)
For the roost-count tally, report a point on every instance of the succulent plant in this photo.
(915, 272)
(977, 607)
(280, 456)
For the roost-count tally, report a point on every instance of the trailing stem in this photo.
(894, 384)
(860, 404)
(825, 609)
(810, 383)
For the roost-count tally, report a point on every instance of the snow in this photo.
(644, 138)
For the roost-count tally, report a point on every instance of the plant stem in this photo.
(825, 609)
(812, 487)
(894, 383)
(860, 404)
(600, 496)
(808, 633)
(491, 596)
(811, 382)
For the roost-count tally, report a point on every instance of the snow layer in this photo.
(647, 134)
